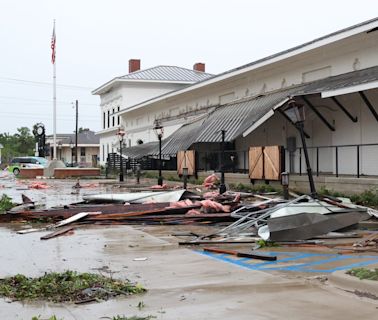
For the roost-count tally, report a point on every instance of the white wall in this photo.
(276, 130)
(65, 154)
(121, 97)
(357, 52)
(108, 143)
(127, 94)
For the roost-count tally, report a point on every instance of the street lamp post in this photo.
(295, 112)
(222, 186)
(285, 184)
(159, 131)
(121, 133)
(71, 146)
(185, 175)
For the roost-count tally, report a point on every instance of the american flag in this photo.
(53, 41)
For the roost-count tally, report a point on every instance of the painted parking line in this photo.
(321, 263)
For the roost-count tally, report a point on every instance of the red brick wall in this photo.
(61, 173)
(134, 65)
(199, 67)
(30, 172)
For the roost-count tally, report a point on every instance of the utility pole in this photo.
(77, 119)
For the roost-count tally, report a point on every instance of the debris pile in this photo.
(251, 218)
(160, 207)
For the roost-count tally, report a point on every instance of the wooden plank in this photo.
(199, 242)
(190, 162)
(255, 163)
(57, 233)
(253, 255)
(62, 223)
(272, 163)
(180, 161)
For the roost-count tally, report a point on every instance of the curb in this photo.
(347, 282)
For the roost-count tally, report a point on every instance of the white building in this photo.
(121, 93)
(335, 77)
(87, 144)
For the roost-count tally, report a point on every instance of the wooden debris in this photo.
(372, 239)
(62, 223)
(199, 242)
(57, 233)
(253, 255)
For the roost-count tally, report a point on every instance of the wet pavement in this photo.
(181, 283)
(58, 193)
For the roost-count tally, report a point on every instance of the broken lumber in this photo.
(199, 242)
(57, 233)
(62, 223)
(254, 255)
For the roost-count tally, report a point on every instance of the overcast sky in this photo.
(95, 40)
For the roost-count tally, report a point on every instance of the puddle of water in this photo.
(59, 193)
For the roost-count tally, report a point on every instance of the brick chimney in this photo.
(134, 65)
(199, 66)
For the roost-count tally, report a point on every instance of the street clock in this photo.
(40, 130)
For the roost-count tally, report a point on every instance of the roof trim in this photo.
(307, 46)
(128, 78)
(351, 89)
(108, 130)
(107, 86)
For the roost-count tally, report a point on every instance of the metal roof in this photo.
(168, 73)
(141, 150)
(85, 137)
(345, 80)
(182, 138)
(237, 117)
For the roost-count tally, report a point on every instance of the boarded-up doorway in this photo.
(265, 163)
(186, 159)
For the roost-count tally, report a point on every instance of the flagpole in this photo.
(54, 95)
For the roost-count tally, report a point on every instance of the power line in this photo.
(40, 83)
(46, 118)
(45, 101)
(44, 114)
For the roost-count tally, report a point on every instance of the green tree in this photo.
(20, 144)
(24, 141)
(81, 129)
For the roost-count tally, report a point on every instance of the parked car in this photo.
(26, 162)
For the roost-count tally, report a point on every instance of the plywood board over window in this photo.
(272, 163)
(265, 163)
(186, 159)
(256, 164)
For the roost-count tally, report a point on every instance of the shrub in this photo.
(5, 203)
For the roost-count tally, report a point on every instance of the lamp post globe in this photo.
(159, 131)
(295, 112)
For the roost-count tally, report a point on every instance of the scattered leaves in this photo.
(68, 286)
(5, 203)
(364, 273)
(266, 244)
